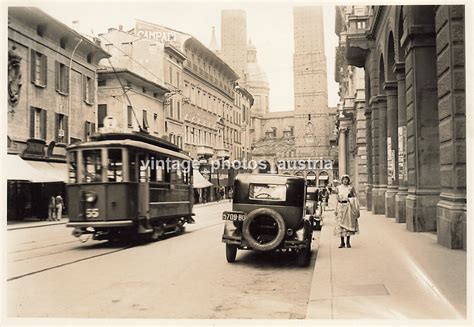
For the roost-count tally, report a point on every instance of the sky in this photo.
(269, 26)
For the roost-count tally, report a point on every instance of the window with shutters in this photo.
(38, 123)
(145, 120)
(129, 116)
(89, 129)
(171, 113)
(39, 69)
(61, 129)
(101, 114)
(87, 90)
(62, 78)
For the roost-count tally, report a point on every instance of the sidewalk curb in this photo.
(320, 297)
(36, 226)
(211, 203)
(39, 224)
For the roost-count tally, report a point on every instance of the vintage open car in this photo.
(268, 214)
(313, 206)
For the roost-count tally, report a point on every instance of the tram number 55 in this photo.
(92, 213)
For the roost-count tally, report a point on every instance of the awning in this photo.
(34, 171)
(199, 181)
(17, 169)
(323, 177)
(51, 171)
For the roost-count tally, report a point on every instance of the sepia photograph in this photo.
(227, 162)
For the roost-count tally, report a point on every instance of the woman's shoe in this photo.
(349, 245)
(342, 245)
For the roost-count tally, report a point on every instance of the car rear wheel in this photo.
(230, 252)
(264, 229)
(304, 257)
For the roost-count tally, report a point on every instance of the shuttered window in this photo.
(38, 123)
(145, 120)
(62, 78)
(61, 128)
(101, 114)
(89, 129)
(129, 116)
(39, 69)
(87, 89)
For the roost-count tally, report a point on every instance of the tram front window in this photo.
(92, 160)
(114, 166)
(73, 167)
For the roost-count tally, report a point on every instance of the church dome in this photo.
(255, 74)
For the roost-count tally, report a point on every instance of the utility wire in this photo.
(126, 95)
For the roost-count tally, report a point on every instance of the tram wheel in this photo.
(157, 233)
(230, 252)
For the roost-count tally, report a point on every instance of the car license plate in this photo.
(233, 216)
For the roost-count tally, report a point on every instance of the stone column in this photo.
(392, 148)
(422, 121)
(375, 150)
(451, 221)
(361, 162)
(379, 195)
(342, 145)
(368, 130)
(400, 198)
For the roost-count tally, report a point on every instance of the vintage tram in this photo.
(128, 185)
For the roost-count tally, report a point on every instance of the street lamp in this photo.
(70, 93)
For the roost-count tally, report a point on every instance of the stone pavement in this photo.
(389, 273)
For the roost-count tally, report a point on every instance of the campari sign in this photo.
(158, 33)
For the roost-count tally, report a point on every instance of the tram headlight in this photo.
(90, 197)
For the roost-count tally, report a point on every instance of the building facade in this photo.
(351, 124)
(52, 102)
(414, 63)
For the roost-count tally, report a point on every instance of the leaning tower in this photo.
(310, 83)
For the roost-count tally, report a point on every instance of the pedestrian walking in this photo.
(346, 218)
(324, 197)
(52, 208)
(59, 207)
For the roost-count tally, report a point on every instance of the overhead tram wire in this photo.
(126, 95)
(131, 58)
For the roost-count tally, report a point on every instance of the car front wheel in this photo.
(230, 252)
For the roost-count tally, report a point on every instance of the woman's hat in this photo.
(345, 176)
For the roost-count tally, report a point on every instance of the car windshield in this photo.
(274, 192)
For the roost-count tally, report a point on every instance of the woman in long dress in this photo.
(346, 222)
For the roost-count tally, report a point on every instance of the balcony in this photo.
(357, 44)
(204, 151)
(223, 153)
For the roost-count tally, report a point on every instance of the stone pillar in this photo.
(342, 145)
(361, 162)
(379, 195)
(400, 198)
(392, 148)
(375, 150)
(422, 121)
(451, 221)
(368, 130)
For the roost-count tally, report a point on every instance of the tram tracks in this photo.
(79, 250)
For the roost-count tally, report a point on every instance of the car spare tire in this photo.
(264, 229)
